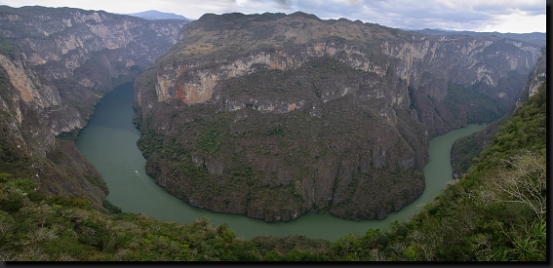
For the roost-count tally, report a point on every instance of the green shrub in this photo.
(111, 207)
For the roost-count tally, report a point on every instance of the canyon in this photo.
(271, 116)
(55, 65)
(268, 117)
(274, 116)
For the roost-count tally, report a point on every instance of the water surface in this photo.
(109, 142)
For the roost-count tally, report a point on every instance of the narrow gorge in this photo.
(55, 65)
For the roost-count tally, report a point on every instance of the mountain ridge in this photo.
(158, 15)
(538, 38)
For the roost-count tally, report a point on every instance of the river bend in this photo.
(109, 142)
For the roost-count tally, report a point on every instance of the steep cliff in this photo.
(69, 57)
(536, 78)
(55, 64)
(467, 148)
(274, 116)
(29, 150)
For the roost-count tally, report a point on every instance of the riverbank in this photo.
(109, 142)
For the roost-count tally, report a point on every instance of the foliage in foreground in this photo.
(497, 211)
(33, 227)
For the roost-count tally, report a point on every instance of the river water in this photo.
(109, 142)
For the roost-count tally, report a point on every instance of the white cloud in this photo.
(516, 23)
(474, 15)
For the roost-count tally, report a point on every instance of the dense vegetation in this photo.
(33, 227)
(57, 167)
(479, 108)
(302, 145)
(497, 211)
(273, 115)
(7, 47)
(465, 149)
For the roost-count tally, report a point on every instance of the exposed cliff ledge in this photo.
(442, 58)
(467, 148)
(65, 53)
(273, 116)
(55, 64)
(191, 71)
(536, 78)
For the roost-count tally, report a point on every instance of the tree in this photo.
(524, 181)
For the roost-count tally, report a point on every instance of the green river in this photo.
(109, 142)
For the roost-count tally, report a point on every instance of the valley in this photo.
(109, 142)
(299, 138)
(55, 64)
(312, 115)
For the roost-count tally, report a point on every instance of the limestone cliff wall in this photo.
(535, 79)
(290, 41)
(65, 53)
(55, 64)
(426, 63)
(372, 95)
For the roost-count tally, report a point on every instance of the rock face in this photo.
(467, 148)
(274, 116)
(70, 57)
(536, 78)
(56, 63)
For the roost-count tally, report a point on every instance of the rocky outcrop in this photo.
(426, 63)
(68, 57)
(34, 92)
(273, 116)
(467, 148)
(532, 38)
(29, 150)
(536, 78)
(55, 64)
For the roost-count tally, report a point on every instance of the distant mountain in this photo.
(534, 38)
(156, 15)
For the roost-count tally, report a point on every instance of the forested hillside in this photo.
(497, 211)
(274, 116)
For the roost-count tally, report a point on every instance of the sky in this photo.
(515, 16)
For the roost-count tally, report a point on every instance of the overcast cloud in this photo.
(517, 16)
